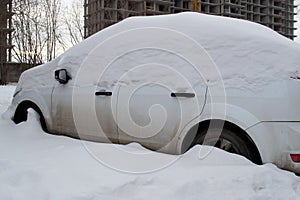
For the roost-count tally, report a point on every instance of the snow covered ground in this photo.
(36, 165)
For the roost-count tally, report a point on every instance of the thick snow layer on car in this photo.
(246, 54)
(35, 165)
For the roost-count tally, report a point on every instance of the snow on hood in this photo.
(244, 52)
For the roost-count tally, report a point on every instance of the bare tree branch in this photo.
(38, 30)
(73, 20)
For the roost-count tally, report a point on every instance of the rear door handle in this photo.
(182, 94)
(103, 93)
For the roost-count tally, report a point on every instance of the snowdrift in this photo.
(35, 165)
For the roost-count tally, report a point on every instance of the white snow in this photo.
(36, 165)
(245, 53)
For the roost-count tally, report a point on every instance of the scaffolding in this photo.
(5, 37)
(100, 14)
(276, 14)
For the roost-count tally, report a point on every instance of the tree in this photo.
(37, 30)
(52, 11)
(27, 35)
(73, 19)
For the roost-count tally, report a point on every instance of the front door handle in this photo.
(103, 93)
(182, 94)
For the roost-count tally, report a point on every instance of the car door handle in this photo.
(182, 94)
(103, 93)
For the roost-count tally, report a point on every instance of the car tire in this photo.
(229, 141)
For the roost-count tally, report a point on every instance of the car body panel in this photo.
(42, 98)
(235, 115)
(276, 141)
(156, 127)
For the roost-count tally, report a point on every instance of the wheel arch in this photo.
(203, 125)
(21, 113)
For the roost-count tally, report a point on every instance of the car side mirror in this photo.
(62, 76)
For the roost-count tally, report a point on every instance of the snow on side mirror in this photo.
(62, 76)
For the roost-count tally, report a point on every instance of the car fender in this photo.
(226, 112)
(39, 99)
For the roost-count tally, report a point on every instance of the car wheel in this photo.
(229, 141)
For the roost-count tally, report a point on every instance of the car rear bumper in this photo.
(288, 163)
(276, 141)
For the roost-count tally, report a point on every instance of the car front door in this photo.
(74, 115)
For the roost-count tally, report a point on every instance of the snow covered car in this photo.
(247, 81)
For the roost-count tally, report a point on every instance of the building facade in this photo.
(276, 14)
(5, 37)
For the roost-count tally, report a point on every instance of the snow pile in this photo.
(35, 165)
(5, 97)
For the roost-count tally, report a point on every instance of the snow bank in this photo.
(6, 96)
(35, 165)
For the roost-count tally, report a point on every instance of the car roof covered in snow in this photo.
(243, 51)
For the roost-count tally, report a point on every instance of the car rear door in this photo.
(154, 104)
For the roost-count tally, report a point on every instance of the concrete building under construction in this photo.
(5, 37)
(276, 14)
